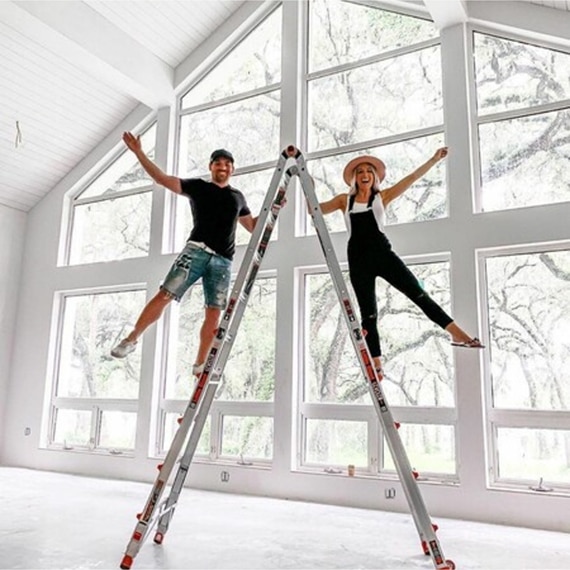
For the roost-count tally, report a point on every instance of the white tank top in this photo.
(359, 207)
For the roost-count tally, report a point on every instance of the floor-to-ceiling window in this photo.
(523, 128)
(375, 87)
(235, 105)
(93, 399)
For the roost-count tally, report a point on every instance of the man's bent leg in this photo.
(216, 283)
(150, 314)
(207, 333)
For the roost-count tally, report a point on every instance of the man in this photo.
(216, 209)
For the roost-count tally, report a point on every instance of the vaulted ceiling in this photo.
(71, 71)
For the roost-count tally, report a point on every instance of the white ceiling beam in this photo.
(446, 13)
(238, 24)
(84, 38)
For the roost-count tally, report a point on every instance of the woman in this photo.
(370, 254)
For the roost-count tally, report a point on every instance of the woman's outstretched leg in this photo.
(399, 275)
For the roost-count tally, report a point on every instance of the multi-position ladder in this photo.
(158, 512)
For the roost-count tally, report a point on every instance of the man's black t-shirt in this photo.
(215, 212)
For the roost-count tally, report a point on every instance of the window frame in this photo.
(74, 197)
(496, 418)
(218, 409)
(494, 117)
(96, 406)
(302, 219)
(418, 415)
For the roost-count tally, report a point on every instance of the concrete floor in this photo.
(52, 520)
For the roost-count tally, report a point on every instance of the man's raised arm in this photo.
(170, 182)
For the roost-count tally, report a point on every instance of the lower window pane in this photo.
(118, 430)
(249, 373)
(332, 372)
(529, 323)
(332, 442)
(92, 324)
(532, 454)
(430, 448)
(417, 353)
(171, 425)
(183, 337)
(247, 437)
(72, 427)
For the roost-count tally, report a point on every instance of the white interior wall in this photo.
(12, 234)
(459, 236)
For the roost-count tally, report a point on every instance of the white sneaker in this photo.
(197, 370)
(124, 348)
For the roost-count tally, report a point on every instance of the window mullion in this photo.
(114, 196)
(524, 112)
(383, 141)
(385, 56)
(530, 418)
(231, 99)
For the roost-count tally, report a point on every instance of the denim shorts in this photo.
(195, 262)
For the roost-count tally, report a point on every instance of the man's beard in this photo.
(220, 177)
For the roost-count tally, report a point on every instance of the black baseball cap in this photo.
(221, 153)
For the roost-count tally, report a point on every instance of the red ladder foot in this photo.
(126, 562)
(158, 538)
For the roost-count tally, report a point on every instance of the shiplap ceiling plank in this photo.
(135, 20)
(188, 23)
(62, 113)
(91, 42)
